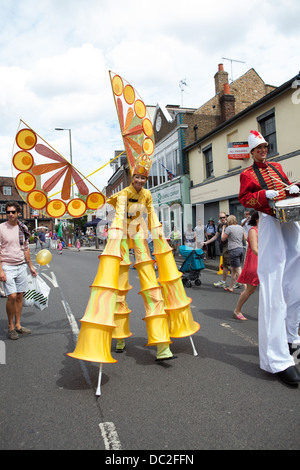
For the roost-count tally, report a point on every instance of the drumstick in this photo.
(280, 181)
(288, 187)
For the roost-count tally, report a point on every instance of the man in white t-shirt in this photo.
(245, 222)
(14, 254)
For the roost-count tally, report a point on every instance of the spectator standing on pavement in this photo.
(50, 239)
(36, 239)
(104, 235)
(54, 240)
(235, 235)
(223, 249)
(42, 238)
(175, 238)
(245, 222)
(210, 232)
(47, 239)
(14, 254)
(189, 236)
(199, 234)
(249, 273)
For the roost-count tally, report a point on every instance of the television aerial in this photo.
(182, 85)
(233, 60)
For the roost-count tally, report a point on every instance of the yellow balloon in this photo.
(44, 257)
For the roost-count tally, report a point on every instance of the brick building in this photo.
(176, 127)
(230, 99)
(121, 175)
(8, 192)
(215, 176)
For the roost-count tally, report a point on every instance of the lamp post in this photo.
(71, 158)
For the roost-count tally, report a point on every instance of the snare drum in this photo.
(287, 210)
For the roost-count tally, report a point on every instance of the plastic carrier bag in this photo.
(37, 293)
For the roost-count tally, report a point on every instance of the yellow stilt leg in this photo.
(121, 314)
(177, 304)
(97, 324)
(156, 318)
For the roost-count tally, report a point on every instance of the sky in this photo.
(55, 57)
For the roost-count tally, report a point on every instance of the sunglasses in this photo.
(11, 212)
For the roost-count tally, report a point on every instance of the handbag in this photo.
(37, 293)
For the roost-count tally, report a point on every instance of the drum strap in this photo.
(260, 177)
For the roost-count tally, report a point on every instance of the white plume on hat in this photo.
(255, 139)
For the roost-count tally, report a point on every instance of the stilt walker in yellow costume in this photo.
(168, 314)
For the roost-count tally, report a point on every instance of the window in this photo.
(268, 130)
(152, 180)
(162, 172)
(2, 209)
(177, 162)
(209, 167)
(170, 163)
(165, 160)
(7, 190)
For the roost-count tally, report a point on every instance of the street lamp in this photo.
(70, 141)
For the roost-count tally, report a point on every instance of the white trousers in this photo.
(279, 292)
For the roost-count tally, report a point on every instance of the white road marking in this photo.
(72, 320)
(108, 430)
(239, 333)
(52, 279)
(110, 436)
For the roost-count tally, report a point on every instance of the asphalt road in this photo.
(219, 399)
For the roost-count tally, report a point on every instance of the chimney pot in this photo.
(226, 89)
(221, 69)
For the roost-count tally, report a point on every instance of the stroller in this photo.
(192, 265)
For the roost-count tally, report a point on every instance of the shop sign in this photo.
(238, 150)
(167, 194)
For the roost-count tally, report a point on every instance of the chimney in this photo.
(227, 102)
(221, 77)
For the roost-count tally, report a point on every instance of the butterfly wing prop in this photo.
(135, 123)
(35, 176)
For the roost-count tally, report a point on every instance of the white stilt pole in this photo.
(98, 391)
(194, 349)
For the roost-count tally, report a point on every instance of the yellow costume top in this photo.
(130, 207)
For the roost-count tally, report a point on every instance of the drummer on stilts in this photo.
(278, 263)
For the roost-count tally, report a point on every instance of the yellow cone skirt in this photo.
(94, 343)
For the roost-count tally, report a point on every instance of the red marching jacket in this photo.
(256, 179)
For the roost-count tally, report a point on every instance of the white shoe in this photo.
(220, 284)
(237, 285)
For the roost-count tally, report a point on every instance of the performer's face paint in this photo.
(138, 182)
(259, 153)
